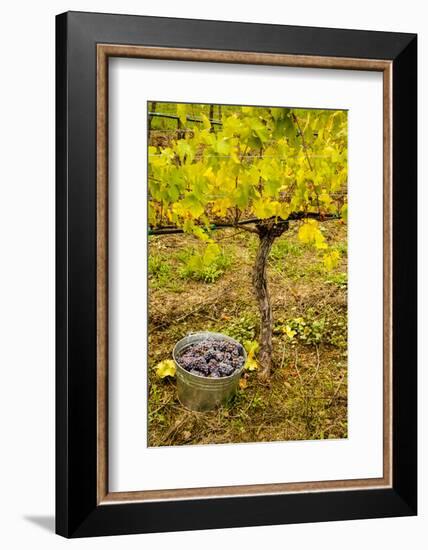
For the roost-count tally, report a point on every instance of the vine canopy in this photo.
(262, 163)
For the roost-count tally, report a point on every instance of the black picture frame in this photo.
(78, 513)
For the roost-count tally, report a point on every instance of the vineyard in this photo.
(247, 238)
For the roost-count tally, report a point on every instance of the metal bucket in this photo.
(200, 393)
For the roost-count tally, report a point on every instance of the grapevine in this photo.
(253, 168)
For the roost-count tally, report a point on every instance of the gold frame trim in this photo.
(104, 51)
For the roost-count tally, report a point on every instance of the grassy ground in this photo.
(307, 394)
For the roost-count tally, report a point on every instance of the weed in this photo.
(314, 329)
(243, 328)
(159, 270)
(338, 279)
(342, 247)
(197, 268)
(284, 248)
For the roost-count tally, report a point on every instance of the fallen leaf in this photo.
(243, 383)
(252, 347)
(165, 368)
(251, 364)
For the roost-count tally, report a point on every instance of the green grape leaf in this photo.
(185, 151)
(222, 146)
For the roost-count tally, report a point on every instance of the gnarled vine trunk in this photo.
(267, 234)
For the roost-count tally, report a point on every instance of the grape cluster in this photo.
(212, 358)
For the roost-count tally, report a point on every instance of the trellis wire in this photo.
(295, 216)
(188, 118)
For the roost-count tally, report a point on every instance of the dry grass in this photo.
(306, 397)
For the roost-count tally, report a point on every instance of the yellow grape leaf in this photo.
(179, 209)
(234, 156)
(263, 208)
(251, 364)
(279, 210)
(222, 147)
(188, 226)
(320, 241)
(325, 198)
(165, 368)
(209, 174)
(152, 214)
(289, 332)
(220, 206)
(231, 125)
(252, 347)
(206, 122)
(310, 233)
(335, 183)
(283, 210)
(182, 113)
(307, 231)
(200, 233)
(243, 383)
(211, 253)
(331, 259)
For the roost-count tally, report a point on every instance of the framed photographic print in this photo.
(236, 274)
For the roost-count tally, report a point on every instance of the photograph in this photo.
(212, 275)
(247, 273)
